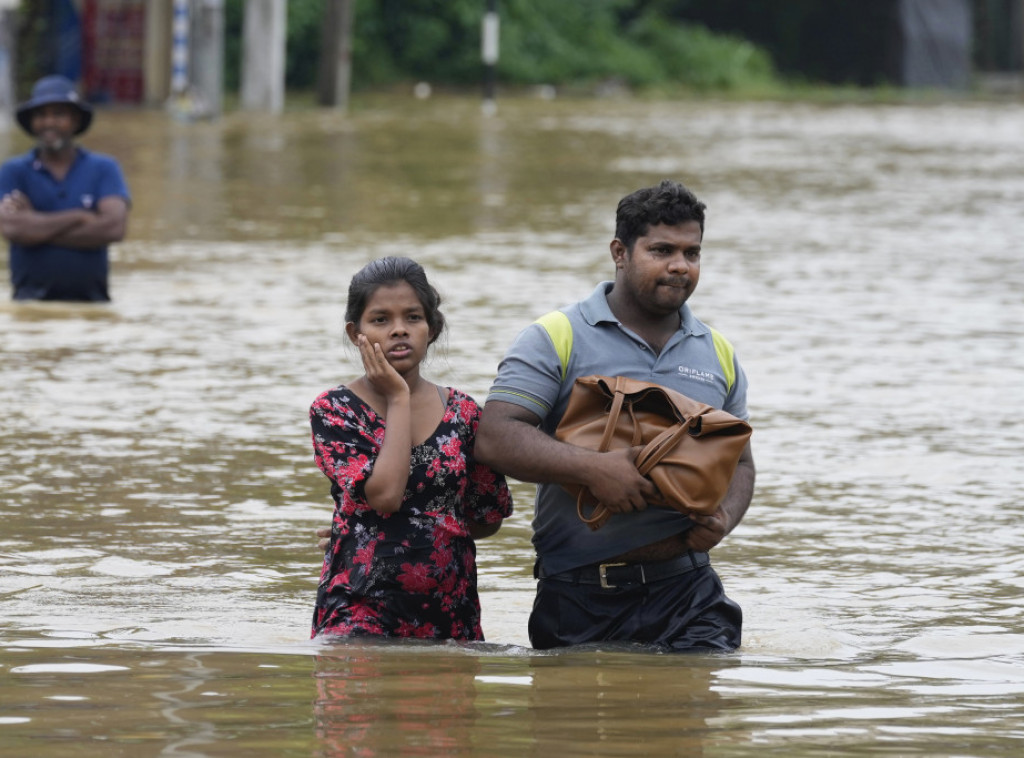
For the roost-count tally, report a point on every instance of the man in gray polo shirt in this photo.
(645, 576)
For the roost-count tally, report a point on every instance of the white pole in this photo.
(263, 48)
(489, 54)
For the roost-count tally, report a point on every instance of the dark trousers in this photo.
(679, 613)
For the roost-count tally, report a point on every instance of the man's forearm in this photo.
(98, 230)
(30, 228)
(740, 493)
(526, 453)
(518, 448)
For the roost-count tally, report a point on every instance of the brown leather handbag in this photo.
(690, 450)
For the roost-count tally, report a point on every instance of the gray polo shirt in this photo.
(538, 372)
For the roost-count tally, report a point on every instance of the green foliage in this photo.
(302, 51)
(232, 44)
(401, 40)
(691, 55)
(577, 41)
(542, 42)
(32, 42)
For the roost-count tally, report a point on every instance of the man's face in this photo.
(663, 269)
(54, 125)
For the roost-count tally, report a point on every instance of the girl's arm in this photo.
(385, 487)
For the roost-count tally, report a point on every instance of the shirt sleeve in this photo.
(736, 400)
(344, 449)
(9, 178)
(530, 374)
(111, 181)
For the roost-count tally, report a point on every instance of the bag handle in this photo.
(661, 446)
(601, 513)
(613, 418)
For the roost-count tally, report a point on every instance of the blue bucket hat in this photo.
(54, 89)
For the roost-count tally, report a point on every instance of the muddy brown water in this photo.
(158, 497)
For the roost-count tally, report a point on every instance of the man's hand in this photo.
(13, 208)
(707, 531)
(15, 201)
(616, 484)
(325, 537)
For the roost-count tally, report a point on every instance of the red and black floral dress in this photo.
(411, 573)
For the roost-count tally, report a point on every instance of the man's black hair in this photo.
(666, 203)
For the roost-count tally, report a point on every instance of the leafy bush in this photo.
(542, 42)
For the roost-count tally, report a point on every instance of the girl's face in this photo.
(394, 318)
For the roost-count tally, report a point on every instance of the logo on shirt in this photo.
(697, 375)
(87, 201)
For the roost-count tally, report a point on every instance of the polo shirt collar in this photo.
(595, 310)
(37, 165)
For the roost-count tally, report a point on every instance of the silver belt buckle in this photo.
(602, 572)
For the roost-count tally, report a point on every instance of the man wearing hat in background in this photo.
(60, 205)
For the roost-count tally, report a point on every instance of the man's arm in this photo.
(23, 225)
(77, 227)
(509, 440)
(708, 531)
(107, 224)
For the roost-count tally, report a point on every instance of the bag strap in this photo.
(601, 513)
(613, 418)
(661, 446)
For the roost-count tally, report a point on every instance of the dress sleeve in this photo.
(488, 499)
(344, 447)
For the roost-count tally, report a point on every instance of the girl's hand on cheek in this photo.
(381, 374)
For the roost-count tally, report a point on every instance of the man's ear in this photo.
(619, 253)
(352, 332)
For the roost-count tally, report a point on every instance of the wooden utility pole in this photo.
(263, 47)
(335, 74)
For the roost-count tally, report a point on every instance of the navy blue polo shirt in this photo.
(51, 272)
(538, 372)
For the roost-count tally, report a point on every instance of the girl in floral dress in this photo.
(409, 497)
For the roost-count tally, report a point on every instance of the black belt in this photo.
(611, 575)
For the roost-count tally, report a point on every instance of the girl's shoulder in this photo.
(465, 406)
(339, 392)
(340, 398)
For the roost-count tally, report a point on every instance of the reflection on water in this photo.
(158, 497)
(581, 703)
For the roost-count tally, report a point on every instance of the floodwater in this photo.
(158, 498)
